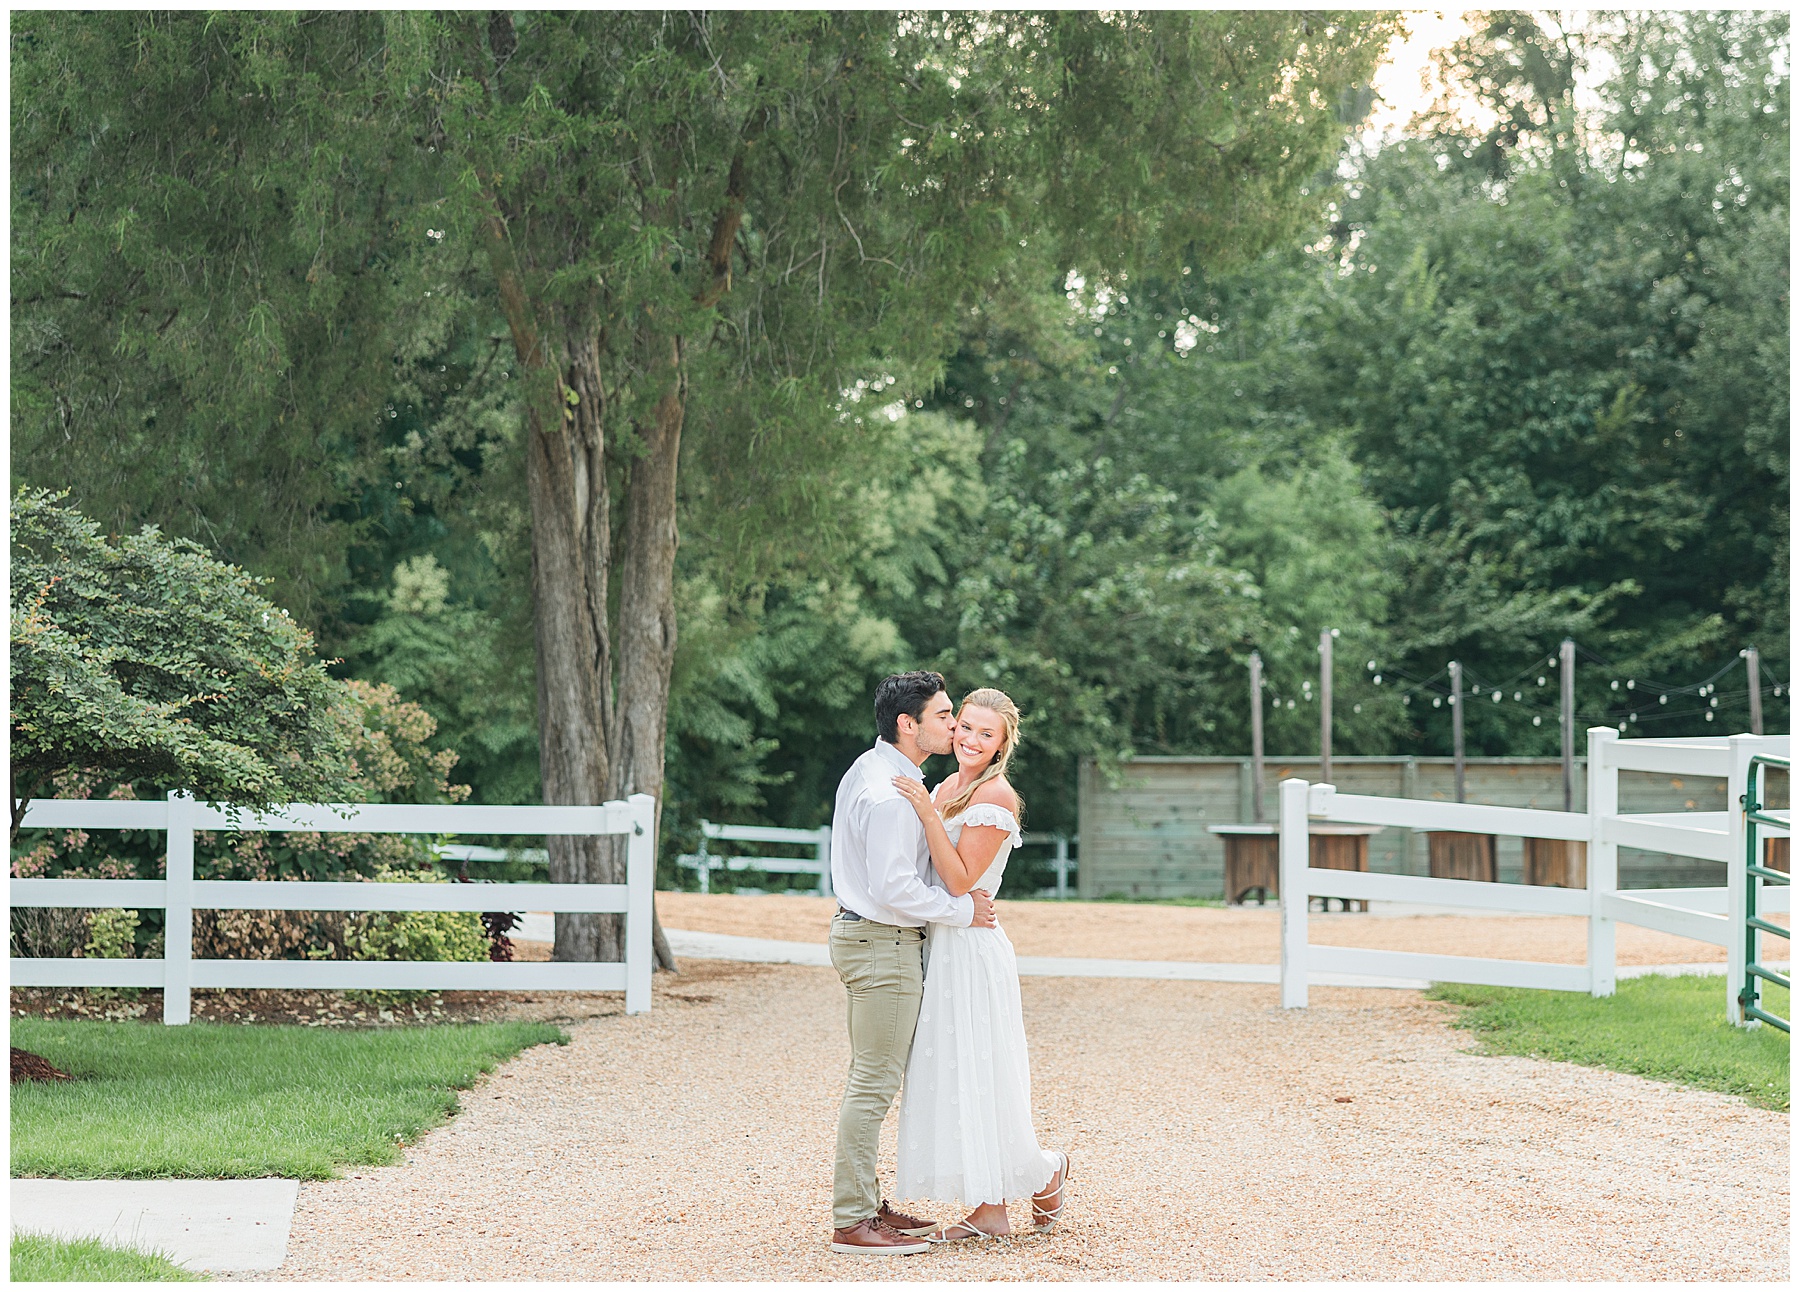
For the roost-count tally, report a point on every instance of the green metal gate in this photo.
(1754, 815)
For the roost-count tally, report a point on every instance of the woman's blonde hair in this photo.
(1001, 703)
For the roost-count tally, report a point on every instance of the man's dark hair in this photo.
(903, 693)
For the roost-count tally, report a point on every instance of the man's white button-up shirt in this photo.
(880, 863)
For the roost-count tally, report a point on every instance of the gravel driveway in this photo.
(1215, 1136)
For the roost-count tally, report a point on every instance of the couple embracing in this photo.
(932, 981)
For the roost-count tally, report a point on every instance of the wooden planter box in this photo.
(1556, 863)
(1252, 857)
(1457, 855)
(1252, 863)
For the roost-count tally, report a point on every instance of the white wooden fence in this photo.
(180, 894)
(1713, 915)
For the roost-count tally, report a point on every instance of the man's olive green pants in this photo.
(883, 968)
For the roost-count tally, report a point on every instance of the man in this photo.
(881, 871)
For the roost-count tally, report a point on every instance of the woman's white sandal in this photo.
(945, 1234)
(1043, 1217)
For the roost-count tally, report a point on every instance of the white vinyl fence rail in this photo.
(180, 894)
(1712, 915)
(705, 861)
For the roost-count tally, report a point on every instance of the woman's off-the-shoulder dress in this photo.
(965, 1117)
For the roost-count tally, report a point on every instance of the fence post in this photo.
(1603, 862)
(1737, 881)
(825, 887)
(640, 895)
(1293, 845)
(178, 912)
(1062, 867)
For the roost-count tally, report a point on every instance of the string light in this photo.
(1410, 685)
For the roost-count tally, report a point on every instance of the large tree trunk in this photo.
(646, 638)
(647, 593)
(571, 559)
(590, 748)
(571, 551)
(579, 729)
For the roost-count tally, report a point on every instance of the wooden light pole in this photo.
(1567, 667)
(1753, 666)
(1256, 737)
(1456, 723)
(1325, 704)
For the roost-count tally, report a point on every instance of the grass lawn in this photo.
(223, 1101)
(1668, 1029)
(39, 1259)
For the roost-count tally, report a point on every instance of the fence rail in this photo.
(1713, 915)
(180, 894)
(705, 861)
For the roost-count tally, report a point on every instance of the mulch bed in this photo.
(308, 1008)
(27, 1066)
(336, 1009)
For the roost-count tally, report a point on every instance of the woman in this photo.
(965, 1117)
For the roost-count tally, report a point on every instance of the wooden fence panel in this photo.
(1145, 833)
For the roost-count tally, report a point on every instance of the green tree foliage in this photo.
(457, 660)
(210, 259)
(1505, 397)
(701, 225)
(1527, 379)
(148, 659)
(1562, 382)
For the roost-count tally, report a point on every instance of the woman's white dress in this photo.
(965, 1118)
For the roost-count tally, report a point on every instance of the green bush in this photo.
(412, 935)
(112, 935)
(415, 935)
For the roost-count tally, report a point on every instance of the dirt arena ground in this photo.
(1214, 1135)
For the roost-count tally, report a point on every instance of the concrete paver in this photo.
(202, 1224)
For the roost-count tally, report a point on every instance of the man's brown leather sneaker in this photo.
(875, 1237)
(906, 1224)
